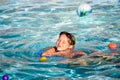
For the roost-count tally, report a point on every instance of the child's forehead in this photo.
(63, 36)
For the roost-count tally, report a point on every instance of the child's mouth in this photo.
(59, 45)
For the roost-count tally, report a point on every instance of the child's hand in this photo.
(113, 53)
(46, 54)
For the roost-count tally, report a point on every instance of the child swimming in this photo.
(64, 46)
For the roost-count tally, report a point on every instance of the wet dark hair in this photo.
(70, 36)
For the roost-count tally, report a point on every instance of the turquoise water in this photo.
(26, 26)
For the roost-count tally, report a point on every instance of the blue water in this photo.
(26, 26)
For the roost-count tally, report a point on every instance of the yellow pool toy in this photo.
(43, 59)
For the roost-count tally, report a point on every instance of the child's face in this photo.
(63, 43)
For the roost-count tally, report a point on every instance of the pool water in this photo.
(26, 26)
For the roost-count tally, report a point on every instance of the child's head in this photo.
(66, 41)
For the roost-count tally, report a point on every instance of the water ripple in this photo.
(25, 29)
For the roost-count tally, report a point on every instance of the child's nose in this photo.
(60, 43)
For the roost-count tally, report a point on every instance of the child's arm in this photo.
(64, 53)
(77, 54)
(69, 54)
(49, 52)
(52, 52)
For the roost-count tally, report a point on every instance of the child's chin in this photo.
(59, 49)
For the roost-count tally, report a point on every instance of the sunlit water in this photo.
(26, 26)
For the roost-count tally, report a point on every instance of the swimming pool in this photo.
(26, 26)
